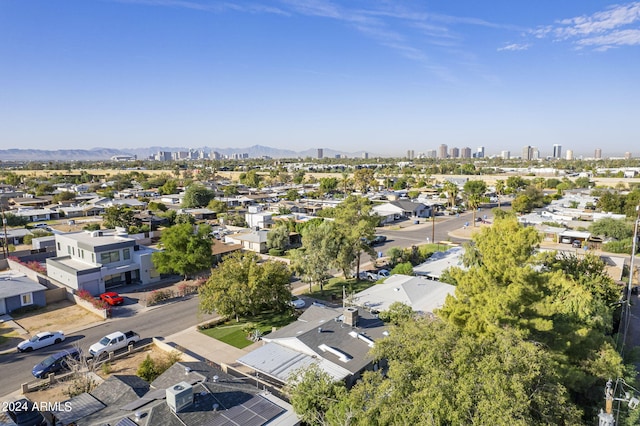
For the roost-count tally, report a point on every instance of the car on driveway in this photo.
(112, 298)
(40, 340)
(377, 275)
(297, 303)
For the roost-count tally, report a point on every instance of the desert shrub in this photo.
(151, 368)
(158, 296)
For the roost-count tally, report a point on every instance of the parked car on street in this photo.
(112, 298)
(112, 342)
(60, 361)
(379, 239)
(40, 340)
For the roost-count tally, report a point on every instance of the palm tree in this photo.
(499, 189)
(452, 192)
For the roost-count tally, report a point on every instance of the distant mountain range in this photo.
(256, 151)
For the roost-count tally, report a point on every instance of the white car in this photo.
(297, 302)
(41, 340)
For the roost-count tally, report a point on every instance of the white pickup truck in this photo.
(112, 342)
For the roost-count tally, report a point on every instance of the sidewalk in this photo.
(206, 348)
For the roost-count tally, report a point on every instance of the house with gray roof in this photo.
(18, 291)
(187, 394)
(422, 295)
(338, 341)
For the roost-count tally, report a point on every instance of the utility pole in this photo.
(433, 225)
(627, 319)
(605, 418)
(5, 246)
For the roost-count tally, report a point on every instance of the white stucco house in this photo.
(98, 260)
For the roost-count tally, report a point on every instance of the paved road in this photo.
(163, 320)
(412, 234)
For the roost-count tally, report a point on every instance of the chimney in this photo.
(351, 316)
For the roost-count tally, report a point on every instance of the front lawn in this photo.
(333, 290)
(235, 334)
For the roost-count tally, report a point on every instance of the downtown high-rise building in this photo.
(442, 151)
(505, 155)
(465, 152)
(480, 152)
(557, 150)
(410, 154)
(454, 152)
(569, 154)
(527, 153)
(320, 153)
(598, 154)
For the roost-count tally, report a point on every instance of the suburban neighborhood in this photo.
(274, 286)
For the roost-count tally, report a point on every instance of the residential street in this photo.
(162, 320)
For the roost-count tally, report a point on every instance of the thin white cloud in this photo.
(514, 47)
(615, 26)
(215, 7)
(613, 39)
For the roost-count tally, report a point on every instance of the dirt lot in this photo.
(123, 366)
(61, 315)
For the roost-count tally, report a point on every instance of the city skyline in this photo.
(374, 76)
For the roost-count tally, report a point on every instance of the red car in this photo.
(112, 298)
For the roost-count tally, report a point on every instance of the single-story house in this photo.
(439, 262)
(15, 236)
(253, 240)
(423, 295)
(36, 215)
(187, 394)
(336, 340)
(394, 210)
(18, 291)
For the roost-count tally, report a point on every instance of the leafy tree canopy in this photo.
(185, 251)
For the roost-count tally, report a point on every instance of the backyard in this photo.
(238, 333)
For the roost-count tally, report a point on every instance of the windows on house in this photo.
(126, 255)
(110, 257)
(26, 299)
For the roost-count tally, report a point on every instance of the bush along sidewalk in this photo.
(96, 303)
(183, 289)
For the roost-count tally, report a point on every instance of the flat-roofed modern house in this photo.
(98, 260)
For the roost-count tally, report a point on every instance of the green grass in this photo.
(333, 289)
(232, 333)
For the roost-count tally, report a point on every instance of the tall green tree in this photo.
(118, 216)
(321, 243)
(439, 375)
(313, 391)
(278, 237)
(452, 191)
(474, 191)
(197, 196)
(184, 250)
(356, 223)
(560, 305)
(241, 286)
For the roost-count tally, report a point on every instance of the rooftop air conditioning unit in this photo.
(179, 396)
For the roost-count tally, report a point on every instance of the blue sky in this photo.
(379, 76)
